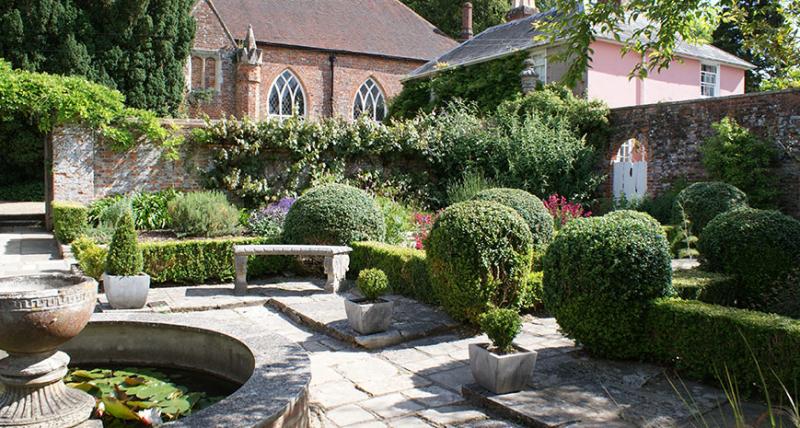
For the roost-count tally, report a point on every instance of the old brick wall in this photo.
(673, 132)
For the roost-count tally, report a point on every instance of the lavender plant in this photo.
(268, 221)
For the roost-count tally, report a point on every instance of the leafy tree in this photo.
(761, 32)
(137, 47)
(446, 14)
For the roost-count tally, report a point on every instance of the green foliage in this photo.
(737, 157)
(91, 257)
(704, 340)
(123, 393)
(487, 84)
(761, 249)
(334, 214)
(397, 219)
(139, 48)
(660, 207)
(502, 326)
(23, 192)
(372, 283)
(150, 209)
(600, 274)
(406, 268)
(709, 287)
(472, 183)
(69, 220)
(124, 254)
(533, 292)
(21, 160)
(479, 254)
(48, 101)
(206, 214)
(637, 216)
(446, 14)
(529, 207)
(703, 201)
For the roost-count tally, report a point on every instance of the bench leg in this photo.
(336, 267)
(240, 283)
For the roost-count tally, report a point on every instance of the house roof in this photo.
(514, 36)
(374, 27)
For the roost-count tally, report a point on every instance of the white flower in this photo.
(101, 409)
(150, 417)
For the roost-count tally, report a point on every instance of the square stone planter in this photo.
(126, 292)
(501, 374)
(369, 317)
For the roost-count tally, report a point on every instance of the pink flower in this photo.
(564, 211)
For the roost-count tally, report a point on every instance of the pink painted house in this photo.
(699, 71)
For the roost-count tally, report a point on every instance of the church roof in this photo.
(505, 39)
(374, 27)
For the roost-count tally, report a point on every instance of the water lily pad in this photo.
(118, 409)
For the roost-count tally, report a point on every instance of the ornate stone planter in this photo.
(38, 314)
(126, 292)
(501, 374)
(369, 317)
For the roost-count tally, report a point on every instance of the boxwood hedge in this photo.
(406, 268)
(529, 207)
(705, 200)
(70, 219)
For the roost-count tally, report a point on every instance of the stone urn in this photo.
(501, 374)
(38, 313)
(369, 316)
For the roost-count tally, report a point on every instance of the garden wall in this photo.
(85, 170)
(672, 133)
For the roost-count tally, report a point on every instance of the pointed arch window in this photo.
(286, 97)
(370, 101)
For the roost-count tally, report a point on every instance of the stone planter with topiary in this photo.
(501, 367)
(125, 285)
(370, 314)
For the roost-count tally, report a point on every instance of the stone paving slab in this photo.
(26, 250)
(573, 389)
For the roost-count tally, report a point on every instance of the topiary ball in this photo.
(760, 248)
(705, 200)
(501, 326)
(529, 207)
(636, 215)
(333, 214)
(479, 254)
(600, 273)
(372, 283)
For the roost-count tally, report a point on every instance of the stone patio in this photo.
(29, 250)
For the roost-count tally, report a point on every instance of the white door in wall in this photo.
(630, 171)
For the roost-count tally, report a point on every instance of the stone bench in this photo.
(337, 261)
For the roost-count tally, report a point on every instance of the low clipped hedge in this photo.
(70, 219)
(529, 207)
(761, 249)
(191, 261)
(334, 214)
(406, 268)
(709, 287)
(705, 200)
(479, 255)
(600, 274)
(703, 340)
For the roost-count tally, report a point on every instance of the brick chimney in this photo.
(466, 22)
(248, 78)
(521, 9)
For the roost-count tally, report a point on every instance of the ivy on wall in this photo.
(487, 84)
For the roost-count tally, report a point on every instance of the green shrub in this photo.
(704, 340)
(372, 283)
(532, 292)
(23, 192)
(124, 254)
(529, 207)
(600, 274)
(334, 214)
(149, 209)
(761, 249)
(69, 220)
(406, 268)
(479, 254)
(206, 214)
(660, 206)
(90, 256)
(502, 326)
(637, 215)
(736, 156)
(705, 200)
(472, 183)
(397, 219)
(709, 287)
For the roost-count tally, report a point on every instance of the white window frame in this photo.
(717, 76)
(363, 98)
(205, 54)
(539, 58)
(292, 93)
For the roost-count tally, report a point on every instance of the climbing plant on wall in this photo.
(486, 84)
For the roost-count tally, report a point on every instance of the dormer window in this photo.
(709, 80)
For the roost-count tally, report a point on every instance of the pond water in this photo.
(140, 396)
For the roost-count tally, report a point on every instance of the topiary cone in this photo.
(124, 254)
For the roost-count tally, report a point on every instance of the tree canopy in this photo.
(446, 14)
(136, 47)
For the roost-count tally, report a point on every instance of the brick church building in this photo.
(313, 58)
